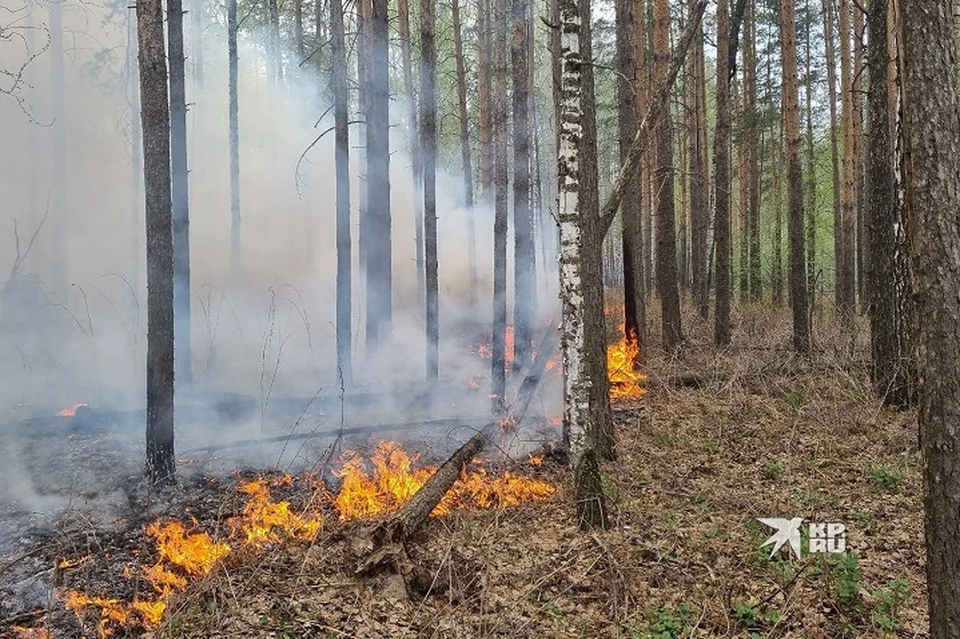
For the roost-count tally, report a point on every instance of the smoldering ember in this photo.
(496, 318)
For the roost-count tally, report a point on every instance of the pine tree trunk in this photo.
(721, 173)
(630, 209)
(465, 151)
(484, 89)
(932, 131)
(645, 41)
(861, 263)
(428, 119)
(811, 171)
(742, 195)
(753, 160)
(776, 145)
(233, 115)
(848, 203)
(414, 135)
(591, 509)
(180, 192)
(791, 117)
(525, 285)
(601, 418)
(828, 22)
(499, 81)
(341, 118)
(699, 190)
(155, 117)
(666, 226)
(379, 259)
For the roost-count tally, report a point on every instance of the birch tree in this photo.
(576, 381)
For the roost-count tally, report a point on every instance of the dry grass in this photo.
(763, 435)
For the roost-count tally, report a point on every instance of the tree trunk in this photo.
(848, 204)
(861, 263)
(379, 259)
(362, 12)
(525, 288)
(753, 160)
(484, 90)
(591, 509)
(298, 28)
(180, 192)
(699, 189)
(666, 227)
(465, 152)
(341, 117)
(155, 117)
(428, 118)
(811, 170)
(721, 176)
(59, 194)
(630, 209)
(791, 117)
(403, 16)
(743, 196)
(233, 116)
(275, 63)
(776, 168)
(834, 145)
(601, 418)
(499, 81)
(887, 327)
(932, 111)
(136, 156)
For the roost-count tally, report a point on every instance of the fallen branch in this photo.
(390, 536)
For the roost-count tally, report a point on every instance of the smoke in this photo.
(264, 334)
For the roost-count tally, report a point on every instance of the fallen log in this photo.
(389, 537)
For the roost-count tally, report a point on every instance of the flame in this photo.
(185, 553)
(394, 479)
(485, 350)
(626, 383)
(70, 411)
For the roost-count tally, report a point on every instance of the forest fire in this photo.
(71, 411)
(369, 488)
(626, 383)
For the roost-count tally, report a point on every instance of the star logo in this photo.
(788, 531)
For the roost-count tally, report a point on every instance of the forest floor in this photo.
(717, 442)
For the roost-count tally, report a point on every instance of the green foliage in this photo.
(773, 469)
(795, 399)
(845, 575)
(665, 622)
(884, 478)
(889, 602)
(752, 617)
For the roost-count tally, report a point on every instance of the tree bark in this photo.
(834, 145)
(465, 151)
(180, 193)
(666, 223)
(484, 90)
(342, 161)
(630, 209)
(721, 176)
(697, 169)
(428, 118)
(848, 204)
(524, 264)
(811, 169)
(233, 115)
(155, 118)
(932, 131)
(499, 81)
(791, 116)
(753, 161)
(591, 508)
(379, 259)
(416, 144)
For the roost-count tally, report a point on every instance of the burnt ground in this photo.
(718, 441)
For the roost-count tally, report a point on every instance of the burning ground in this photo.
(716, 442)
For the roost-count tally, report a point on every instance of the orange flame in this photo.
(265, 521)
(63, 564)
(70, 411)
(626, 383)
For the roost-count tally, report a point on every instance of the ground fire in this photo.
(626, 383)
(369, 488)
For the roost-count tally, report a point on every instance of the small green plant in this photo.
(795, 399)
(610, 488)
(773, 469)
(666, 622)
(885, 479)
(713, 531)
(845, 575)
(751, 617)
(889, 601)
